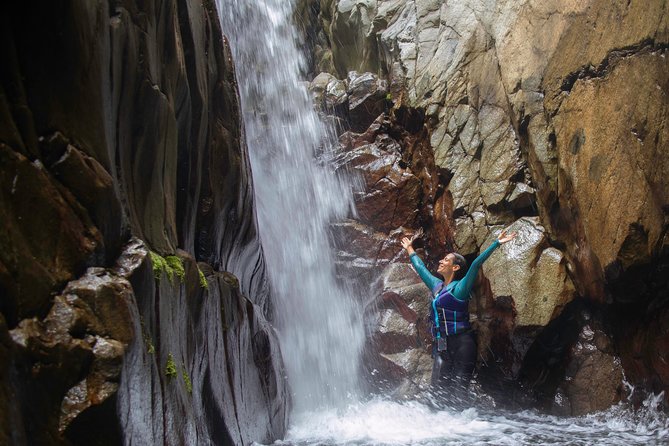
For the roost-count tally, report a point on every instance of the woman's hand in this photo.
(406, 244)
(504, 237)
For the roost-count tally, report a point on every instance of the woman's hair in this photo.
(462, 262)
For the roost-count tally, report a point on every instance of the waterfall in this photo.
(318, 320)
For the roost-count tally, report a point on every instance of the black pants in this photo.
(453, 368)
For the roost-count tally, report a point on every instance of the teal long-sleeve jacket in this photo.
(460, 289)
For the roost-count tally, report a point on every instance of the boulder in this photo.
(531, 273)
(329, 94)
(85, 334)
(594, 377)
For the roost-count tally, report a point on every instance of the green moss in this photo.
(187, 382)
(170, 265)
(160, 266)
(203, 280)
(170, 367)
(177, 266)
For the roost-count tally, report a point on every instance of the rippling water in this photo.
(381, 422)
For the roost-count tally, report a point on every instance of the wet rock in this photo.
(400, 347)
(107, 297)
(329, 94)
(594, 377)
(363, 252)
(85, 334)
(211, 343)
(391, 190)
(367, 99)
(642, 341)
(99, 385)
(532, 110)
(133, 130)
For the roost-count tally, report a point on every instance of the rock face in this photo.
(548, 114)
(117, 121)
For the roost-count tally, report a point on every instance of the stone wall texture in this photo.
(120, 134)
(548, 117)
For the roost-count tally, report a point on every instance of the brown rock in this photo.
(109, 298)
(93, 187)
(99, 385)
(400, 346)
(598, 160)
(594, 378)
(391, 191)
(46, 236)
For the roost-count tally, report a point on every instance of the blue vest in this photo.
(452, 314)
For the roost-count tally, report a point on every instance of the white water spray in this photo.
(319, 322)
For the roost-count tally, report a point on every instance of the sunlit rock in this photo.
(532, 273)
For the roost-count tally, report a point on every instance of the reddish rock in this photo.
(390, 192)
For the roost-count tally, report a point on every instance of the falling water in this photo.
(318, 320)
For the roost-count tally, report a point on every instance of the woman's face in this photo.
(447, 265)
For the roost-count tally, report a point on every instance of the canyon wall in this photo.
(548, 117)
(134, 294)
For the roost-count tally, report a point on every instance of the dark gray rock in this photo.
(121, 120)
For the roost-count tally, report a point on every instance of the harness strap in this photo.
(436, 313)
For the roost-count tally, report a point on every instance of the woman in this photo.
(454, 348)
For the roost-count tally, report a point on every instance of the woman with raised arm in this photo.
(454, 347)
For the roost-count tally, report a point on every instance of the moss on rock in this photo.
(203, 280)
(176, 265)
(170, 367)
